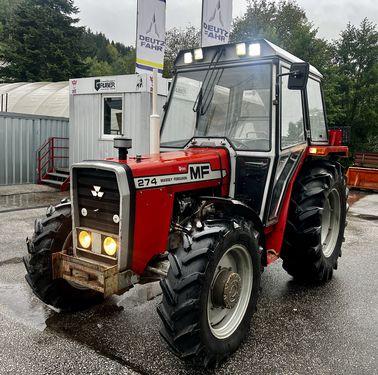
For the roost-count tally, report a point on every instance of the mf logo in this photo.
(153, 27)
(198, 172)
(96, 192)
(217, 11)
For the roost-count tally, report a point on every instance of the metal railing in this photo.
(51, 155)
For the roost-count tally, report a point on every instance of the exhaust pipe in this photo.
(154, 119)
(123, 145)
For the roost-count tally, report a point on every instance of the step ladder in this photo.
(52, 161)
(59, 178)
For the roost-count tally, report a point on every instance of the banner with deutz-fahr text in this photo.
(216, 22)
(150, 36)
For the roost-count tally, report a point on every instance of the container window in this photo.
(112, 120)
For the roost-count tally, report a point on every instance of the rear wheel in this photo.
(316, 222)
(51, 235)
(211, 291)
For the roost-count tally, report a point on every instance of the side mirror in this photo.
(298, 76)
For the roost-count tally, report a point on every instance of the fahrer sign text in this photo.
(216, 22)
(150, 35)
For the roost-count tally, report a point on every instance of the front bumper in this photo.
(96, 276)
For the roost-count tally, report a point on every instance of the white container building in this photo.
(103, 108)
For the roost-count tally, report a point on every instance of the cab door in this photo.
(291, 143)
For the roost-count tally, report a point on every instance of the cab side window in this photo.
(316, 111)
(292, 123)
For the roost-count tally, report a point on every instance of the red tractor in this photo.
(246, 175)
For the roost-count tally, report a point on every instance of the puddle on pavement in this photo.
(100, 314)
(23, 306)
(101, 326)
(30, 200)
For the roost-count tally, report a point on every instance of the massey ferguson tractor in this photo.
(246, 175)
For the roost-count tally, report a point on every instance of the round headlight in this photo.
(110, 246)
(85, 239)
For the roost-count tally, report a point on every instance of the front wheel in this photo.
(210, 293)
(53, 234)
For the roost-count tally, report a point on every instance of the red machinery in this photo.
(364, 172)
(247, 174)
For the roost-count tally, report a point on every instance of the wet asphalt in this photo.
(298, 329)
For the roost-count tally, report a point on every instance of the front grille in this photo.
(100, 209)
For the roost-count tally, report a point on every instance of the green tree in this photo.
(117, 63)
(42, 43)
(285, 24)
(97, 68)
(355, 83)
(104, 57)
(7, 8)
(125, 64)
(176, 40)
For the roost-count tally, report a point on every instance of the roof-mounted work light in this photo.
(241, 49)
(254, 50)
(188, 58)
(198, 54)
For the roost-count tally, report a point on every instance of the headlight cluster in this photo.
(197, 54)
(85, 239)
(253, 49)
(109, 245)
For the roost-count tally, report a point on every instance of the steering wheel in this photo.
(264, 134)
(239, 144)
(250, 144)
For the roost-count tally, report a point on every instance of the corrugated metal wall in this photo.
(20, 138)
(86, 142)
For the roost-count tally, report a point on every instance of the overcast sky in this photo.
(116, 18)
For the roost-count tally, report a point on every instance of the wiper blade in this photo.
(207, 98)
(208, 83)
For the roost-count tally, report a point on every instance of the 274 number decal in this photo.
(194, 173)
(145, 182)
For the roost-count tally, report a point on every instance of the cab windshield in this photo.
(235, 103)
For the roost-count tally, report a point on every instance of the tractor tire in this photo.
(316, 222)
(202, 323)
(50, 235)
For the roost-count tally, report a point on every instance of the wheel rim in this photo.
(330, 223)
(237, 263)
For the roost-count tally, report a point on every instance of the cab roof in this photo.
(267, 50)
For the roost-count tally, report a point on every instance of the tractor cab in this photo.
(262, 103)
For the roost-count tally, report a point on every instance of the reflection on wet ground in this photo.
(355, 196)
(23, 306)
(25, 201)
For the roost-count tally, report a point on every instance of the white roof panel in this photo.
(290, 57)
(37, 98)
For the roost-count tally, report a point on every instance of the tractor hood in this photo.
(127, 199)
(178, 167)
